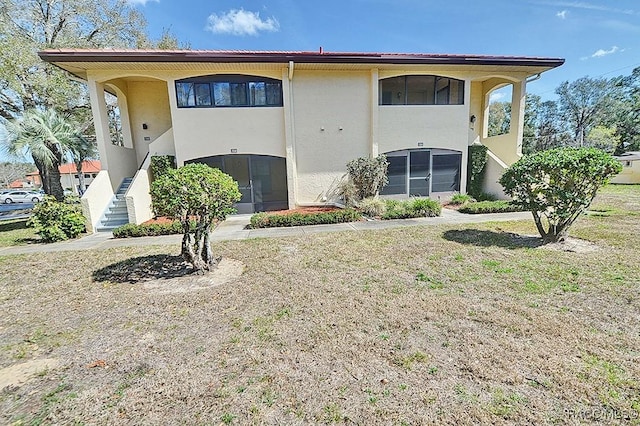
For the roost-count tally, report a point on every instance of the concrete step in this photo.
(116, 214)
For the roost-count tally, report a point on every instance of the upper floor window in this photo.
(228, 91)
(421, 90)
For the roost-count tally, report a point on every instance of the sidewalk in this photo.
(234, 228)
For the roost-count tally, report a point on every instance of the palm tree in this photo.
(46, 135)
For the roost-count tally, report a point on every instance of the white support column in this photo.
(100, 120)
(517, 113)
(374, 113)
(289, 135)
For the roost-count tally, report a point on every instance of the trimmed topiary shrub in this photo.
(499, 206)
(558, 185)
(56, 221)
(160, 165)
(196, 192)
(274, 220)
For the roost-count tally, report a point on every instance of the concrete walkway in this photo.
(234, 228)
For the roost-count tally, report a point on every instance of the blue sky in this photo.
(596, 37)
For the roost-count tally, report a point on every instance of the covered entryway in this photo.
(420, 172)
(262, 180)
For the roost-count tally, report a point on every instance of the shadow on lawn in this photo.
(481, 238)
(12, 225)
(144, 268)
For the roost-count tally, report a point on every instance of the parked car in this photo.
(21, 197)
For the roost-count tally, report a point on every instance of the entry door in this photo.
(238, 167)
(419, 173)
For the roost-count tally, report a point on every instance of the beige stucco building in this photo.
(630, 173)
(284, 124)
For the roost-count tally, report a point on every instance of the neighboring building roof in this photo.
(18, 184)
(89, 166)
(629, 156)
(77, 61)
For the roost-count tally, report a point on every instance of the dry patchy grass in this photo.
(422, 325)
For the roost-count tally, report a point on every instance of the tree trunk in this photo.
(81, 187)
(196, 249)
(55, 187)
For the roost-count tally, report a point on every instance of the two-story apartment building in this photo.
(284, 124)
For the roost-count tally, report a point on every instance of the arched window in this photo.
(421, 90)
(216, 91)
(500, 101)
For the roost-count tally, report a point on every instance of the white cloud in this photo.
(142, 2)
(241, 22)
(496, 97)
(562, 15)
(601, 52)
(588, 6)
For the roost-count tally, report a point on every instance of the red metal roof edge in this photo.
(88, 166)
(132, 55)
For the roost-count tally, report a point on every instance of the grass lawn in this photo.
(420, 325)
(15, 232)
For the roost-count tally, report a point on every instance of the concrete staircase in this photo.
(116, 214)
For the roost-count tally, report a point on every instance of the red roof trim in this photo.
(167, 56)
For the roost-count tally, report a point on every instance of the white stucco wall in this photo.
(434, 126)
(494, 170)
(629, 174)
(329, 101)
(96, 199)
(138, 198)
(148, 104)
(202, 132)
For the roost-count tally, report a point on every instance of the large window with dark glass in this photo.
(421, 90)
(228, 91)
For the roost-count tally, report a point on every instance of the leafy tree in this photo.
(196, 192)
(46, 135)
(29, 26)
(369, 175)
(499, 118)
(626, 115)
(12, 171)
(531, 110)
(557, 185)
(584, 104)
(603, 138)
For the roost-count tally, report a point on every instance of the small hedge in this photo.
(56, 221)
(417, 207)
(500, 206)
(148, 229)
(274, 220)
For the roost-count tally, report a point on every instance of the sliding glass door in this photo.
(420, 172)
